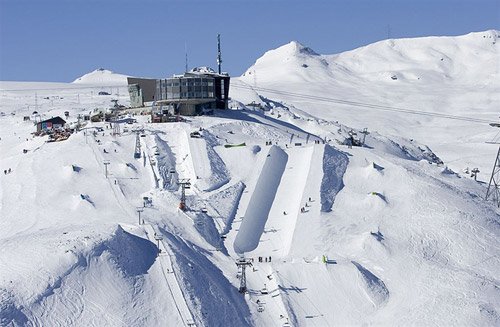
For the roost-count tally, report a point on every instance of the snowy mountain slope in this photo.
(440, 59)
(388, 235)
(457, 76)
(52, 99)
(102, 76)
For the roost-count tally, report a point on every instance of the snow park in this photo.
(358, 188)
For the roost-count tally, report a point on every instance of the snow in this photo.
(102, 77)
(262, 199)
(392, 233)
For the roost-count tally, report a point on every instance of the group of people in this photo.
(265, 259)
(7, 171)
(302, 209)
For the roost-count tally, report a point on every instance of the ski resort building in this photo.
(189, 94)
(141, 90)
(52, 123)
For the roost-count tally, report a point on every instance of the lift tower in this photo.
(137, 152)
(242, 263)
(185, 184)
(494, 185)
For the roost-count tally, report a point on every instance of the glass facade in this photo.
(186, 87)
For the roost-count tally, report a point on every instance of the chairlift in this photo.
(204, 210)
(260, 308)
(172, 171)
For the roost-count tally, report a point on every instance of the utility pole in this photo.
(137, 152)
(494, 185)
(139, 210)
(116, 128)
(242, 263)
(158, 238)
(185, 184)
(106, 163)
(364, 132)
(79, 117)
(473, 173)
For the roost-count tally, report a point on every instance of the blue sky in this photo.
(60, 40)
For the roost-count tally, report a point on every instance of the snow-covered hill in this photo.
(397, 87)
(102, 77)
(468, 59)
(383, 234)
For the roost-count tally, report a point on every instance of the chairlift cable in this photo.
(363, 104)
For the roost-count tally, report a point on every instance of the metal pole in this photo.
(106, 163)
(139, 210)
(219, 55)
(494, 184)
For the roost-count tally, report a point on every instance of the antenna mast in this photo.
(219, 55)
(186, 51)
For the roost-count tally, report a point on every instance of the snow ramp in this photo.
(261, 201)
(211, 172)
(308, 224)
(287, 204)
(166, 164)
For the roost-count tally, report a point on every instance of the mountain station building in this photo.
(189, 94)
